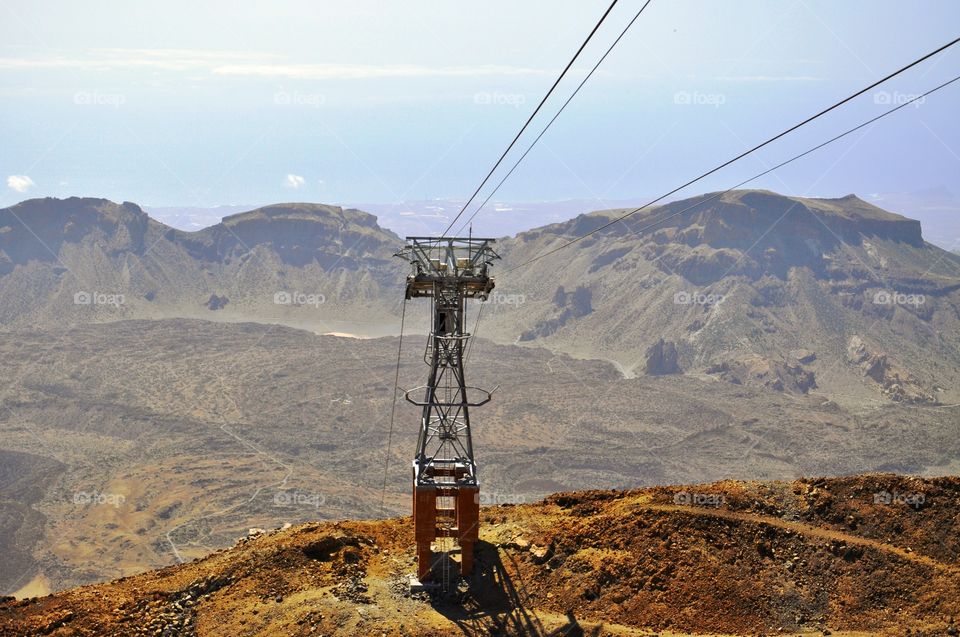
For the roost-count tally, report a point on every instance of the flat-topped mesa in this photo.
(759, 233)
(299, 233)
(753, 233)
(740, 218)
(36, 229)
(309, 212)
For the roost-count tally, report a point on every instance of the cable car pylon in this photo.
(446, 492)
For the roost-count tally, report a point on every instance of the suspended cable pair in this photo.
(549, 124)
(695, 179)
(758, 147)
(537, 110)
(742, 183)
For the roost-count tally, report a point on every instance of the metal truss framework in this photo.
(446, 495)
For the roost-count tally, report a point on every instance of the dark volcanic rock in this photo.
(216, 302)
(571, 304)
(661, 359)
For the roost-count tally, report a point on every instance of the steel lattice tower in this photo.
(446, 492)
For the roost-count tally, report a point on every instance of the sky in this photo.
(201, 104)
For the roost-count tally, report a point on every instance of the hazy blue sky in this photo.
(204, 103)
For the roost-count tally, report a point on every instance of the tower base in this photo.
(447, 511)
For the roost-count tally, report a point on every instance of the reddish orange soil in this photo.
(745, 558)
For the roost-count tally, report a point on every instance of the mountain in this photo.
(749, 287)
(797, 295)
(751, 335)
(874, 555)
(81, 260)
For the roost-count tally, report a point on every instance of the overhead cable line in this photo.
(532, 115)
(393, 408)
(742, 183)
(476, 328)
(572, 95)
(752, 150)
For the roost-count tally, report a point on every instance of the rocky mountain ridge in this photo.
(731, 284)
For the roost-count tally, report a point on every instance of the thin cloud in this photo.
(294, 181)
(245, 64)
(105, 59)
(220, 55)
(367, 71)
(20, 183)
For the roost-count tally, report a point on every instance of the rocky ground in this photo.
(129, 446)
(876, 554)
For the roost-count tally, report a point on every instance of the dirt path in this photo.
(806, 530)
